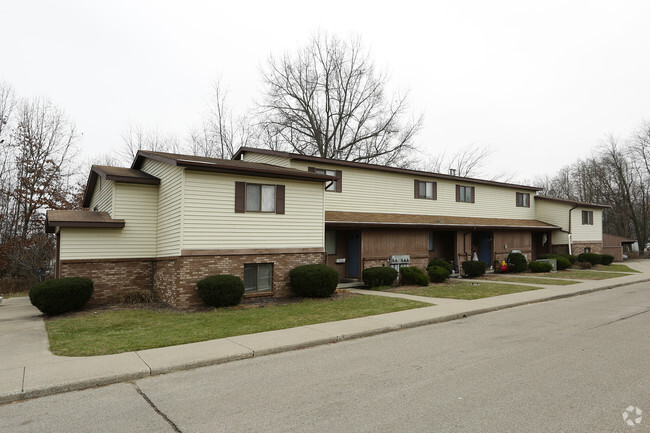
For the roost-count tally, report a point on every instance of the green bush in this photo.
(519, 262)
(592, 258)
(314, 281)
(570, 257)
(584, 265)
(562, 262)
(441, 263)
(473, 268)
(379, 276)
(61, 295)
(437, 274)
(606, 259)
(540, 266)
(413, 275)
(221, 290)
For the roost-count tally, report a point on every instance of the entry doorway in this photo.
(354, 254)
(482, 245)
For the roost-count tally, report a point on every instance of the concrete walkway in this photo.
(28, 369)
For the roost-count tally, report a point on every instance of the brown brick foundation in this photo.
(111, 278)
(173, 280)
(579, 247)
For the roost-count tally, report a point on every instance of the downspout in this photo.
(569, 231)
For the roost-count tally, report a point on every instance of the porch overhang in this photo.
(80, 219)
(334, 219)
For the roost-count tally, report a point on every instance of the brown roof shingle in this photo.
(203, 163)
(384, 219)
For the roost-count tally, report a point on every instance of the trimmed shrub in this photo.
(379, 276)
(584, 265)
(474, 269)
(570, 257)
(441, 263)
(519, 261)
(606, 259)
(540, 266)
(221, 290)
(562, 262)
(437, 274)
(413, 275)
(314, 281)
(592, 258)
(61, 295)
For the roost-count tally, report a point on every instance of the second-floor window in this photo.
(255, 197)
(587, 217)
(465, 194)
(523, 199)
(426, 190)
(333, 186)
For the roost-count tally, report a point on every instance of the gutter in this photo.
(569, 231)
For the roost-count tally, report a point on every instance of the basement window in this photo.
(258, 277)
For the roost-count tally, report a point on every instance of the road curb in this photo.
(322, 340)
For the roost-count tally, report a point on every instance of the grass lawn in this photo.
(614, 268)
(529, 280)
(465, 290)
(121, 331)
(581, 274)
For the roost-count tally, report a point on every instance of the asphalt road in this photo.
(571, 365)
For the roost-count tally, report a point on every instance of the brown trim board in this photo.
(246, 251)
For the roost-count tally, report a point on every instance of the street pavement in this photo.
(573, 365)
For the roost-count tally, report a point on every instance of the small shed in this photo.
(615, 245)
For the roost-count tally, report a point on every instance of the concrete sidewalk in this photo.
(28, 369)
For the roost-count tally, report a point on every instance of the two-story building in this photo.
(170, 220)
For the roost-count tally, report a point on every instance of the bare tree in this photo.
(468, 161)
(221, 132)
(136, 137)
(328, 100)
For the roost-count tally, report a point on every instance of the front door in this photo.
(485, 247)
(354, 254)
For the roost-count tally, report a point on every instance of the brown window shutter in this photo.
(472, 194)
(311, 169)
(457, 192)
(416, 192)
(279, 199)
(435, 190)
(240, 197)
(339, 181)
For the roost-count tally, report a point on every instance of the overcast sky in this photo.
(542, 82)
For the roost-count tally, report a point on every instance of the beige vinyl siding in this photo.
(137, 205)
(586, 232)
(210, 221)
(103, 196)
(266, 159)
(365, 190)
(556, 214)
(169, 206)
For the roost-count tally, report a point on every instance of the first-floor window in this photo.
(431, 242)
(258, 277)
(330, 241)
(587, 217)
